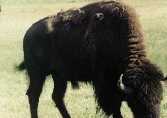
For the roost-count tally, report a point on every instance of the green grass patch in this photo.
(17, 16)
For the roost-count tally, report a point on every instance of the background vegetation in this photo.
(18, 15)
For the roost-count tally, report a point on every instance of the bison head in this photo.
(142, 90)
(140, 79)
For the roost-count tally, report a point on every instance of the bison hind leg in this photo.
(34, 91)
(60, 85)
(75, 84)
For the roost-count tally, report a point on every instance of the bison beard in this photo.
(94, 44)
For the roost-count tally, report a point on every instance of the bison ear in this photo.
(99, 16)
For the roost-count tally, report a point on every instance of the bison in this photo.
(97, 44)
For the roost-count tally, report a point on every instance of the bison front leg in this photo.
(108, 98)
(58, 94)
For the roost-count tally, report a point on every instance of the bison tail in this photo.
(21, 66)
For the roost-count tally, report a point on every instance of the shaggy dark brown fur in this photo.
(95, 44)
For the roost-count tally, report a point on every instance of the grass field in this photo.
(17, 16)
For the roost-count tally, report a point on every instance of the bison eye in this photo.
(130, 82)
(127, 81)
(133, 82)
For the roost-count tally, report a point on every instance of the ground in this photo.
(16, 18)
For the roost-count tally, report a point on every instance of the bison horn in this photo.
(122, 87)
(100, 16)
(120, 83)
